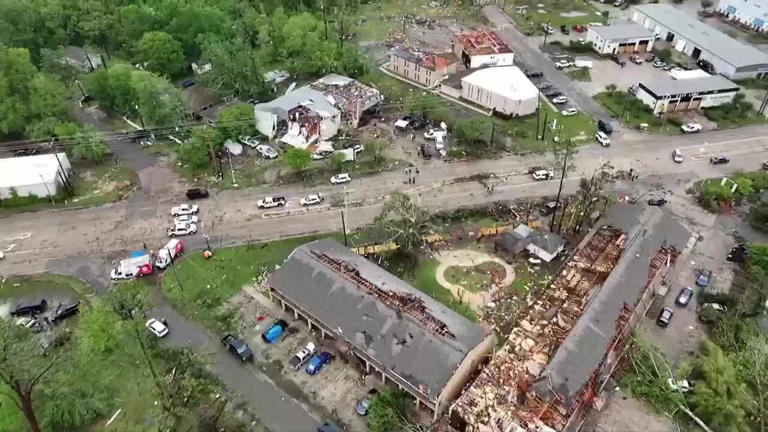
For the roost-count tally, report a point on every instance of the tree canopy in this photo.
(161, 53)
(296, 159)
(404, 222)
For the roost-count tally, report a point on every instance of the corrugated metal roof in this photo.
(622, 31)
(706, 37)
(690, 85)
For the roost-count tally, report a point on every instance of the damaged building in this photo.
(481, 48)
(387, 326)
(312, 114)
(550, 374)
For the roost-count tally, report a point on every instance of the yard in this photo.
(633, 112)
(554, 12)
(94, 185)
(477, 278)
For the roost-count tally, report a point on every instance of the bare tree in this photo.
(404, 223)
(22, 368)
(590, 192)
(563, 152)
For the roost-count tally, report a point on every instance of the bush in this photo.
(664, 55)
(758, 217)
(713, 194)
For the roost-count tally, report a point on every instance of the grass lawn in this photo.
(477, 278)
(44, 283)
(206, 285)
(522, 131)
(580, 74)
(632, 112)
(552, 13)
(424, 280)
(94, 185)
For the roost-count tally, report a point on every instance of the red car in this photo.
(578, 28)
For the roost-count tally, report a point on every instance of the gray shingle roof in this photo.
(622, 31)
(707, 38)
(690, 85)
(407, 348)
(647, 228)
(301, 96)
(549, 243)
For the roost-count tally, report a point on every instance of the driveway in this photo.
(533, 58)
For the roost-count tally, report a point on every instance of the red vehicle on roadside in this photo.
(578, 28)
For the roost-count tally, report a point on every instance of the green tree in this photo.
(719, 396)
(389, 411)
(161, 53)
(190, 22)
(236, 69)
(706, 4)
(22, 368)
(611, 88)
(473, 132)
(16, 68)
(90, 145)
(114, 88)
(55, 62)
(47, 97)
(377, 147)
(296, 159)
(195, 151)
(403, 222)
(95, 21)
(336, 162)
(132, 22)
(159, 102)
(236, 120)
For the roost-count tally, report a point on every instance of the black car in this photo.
(657, 201)
(553, 92)
(197, 193)
(29, 307)
(605, 126)
(65, 310)
(718, 160)
(548, 208)
(564, 29)
(684, 297)
(416, 121)
(327, 427)
(738, 254)
(665, 317)
(237, 347)
(651, 58)
(534, 74)
(706, 66)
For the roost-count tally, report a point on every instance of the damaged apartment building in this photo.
(380, 323)
(314, 113)
(550, 374)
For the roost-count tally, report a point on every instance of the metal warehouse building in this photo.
(691, 93)
(620, 38)
(383, 324)
(686, 34)
(39, 175)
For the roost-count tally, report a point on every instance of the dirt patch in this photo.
(477, 278)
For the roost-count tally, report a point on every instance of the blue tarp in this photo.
(139, 253)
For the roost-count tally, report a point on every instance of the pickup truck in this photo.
(237, 347)
(271, 202)
(302, 356)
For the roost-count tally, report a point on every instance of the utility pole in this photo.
(325, 20)
(341, 30)
(234, 180)
(566, 154)
(46, 189)
(546, 33)
(63, 174)
(544, 129)
(175, 273)
(493, 128)
(344, 228)
(763, 104)
(538, 112)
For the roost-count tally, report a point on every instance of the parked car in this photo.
(534, 74)
(665, 316)
(542, 175)
(636, 59)
(30, 323)
(677, 156)
(313, 199)
(691, 128)
(711, 312)
(559, 100)
(184, 209)
(274, 331)
(568, 112)
(248, 140)
(618, 60)
(181, 229)
(66, 310)
(168, 253)
(197, 193)
(738, 254)
(603, 139)
(578, 28)
(618, 3)
(562, 64)
(684, 297)
(706, 66)
(321, 154)
(605, 126)
(650, 58)
(267, 152)
(185, 219)
(564, 29)
(302, 356)
(271, 202)
(237, 347)
(718, 160)
(705, 276)
(544, 85)
(657, 201)
(433, 133)
(341, 178)
(327, 427)
(546, 28)
(317, 362)
(29, 307)
(658, 64)
(553, 92)
(363, 406)
(667, 67)
(548, 208)
(157, 327)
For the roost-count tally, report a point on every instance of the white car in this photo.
(185, 219)
(691, 128)
(542, 175)
(341, 178)
(266, 151)
(181, 229)
(569, 112)
(679, 385)
(603, 139)
(321, 154)
(313, 199)
(677, 156)
(184, 209)
(560, 100)
(248, 140)
(562, 64)
(156, 327)
(357, 148)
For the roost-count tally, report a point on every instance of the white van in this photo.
(168, 253)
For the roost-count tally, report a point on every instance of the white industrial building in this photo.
(688, 35)
(39, 175)
(751, 13)
(504, 89)
(682, 94)
(620, 38)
